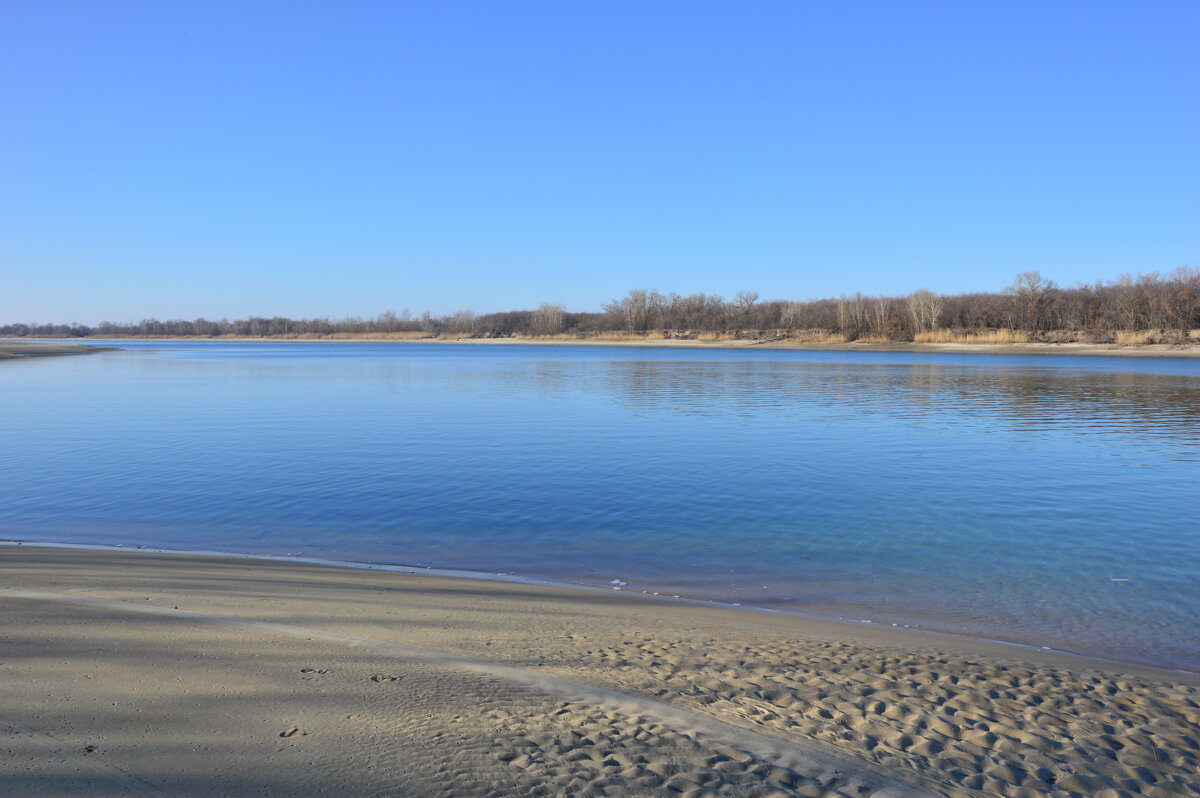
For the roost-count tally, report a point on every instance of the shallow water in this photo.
(1044, 500)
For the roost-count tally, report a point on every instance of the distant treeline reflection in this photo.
(1149, 308)
(1095, 403)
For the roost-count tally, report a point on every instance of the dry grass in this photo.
(649, 335)
(973, 337)
(816, 337)
(1139, 337)
(379, 336)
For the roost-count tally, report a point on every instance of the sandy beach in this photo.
(132, 673)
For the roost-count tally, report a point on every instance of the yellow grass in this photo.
(975, 337)
(809, 336)
(649, 335)
(382, 336)
(1139, 337)
(816, 337)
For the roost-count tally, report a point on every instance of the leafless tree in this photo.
(462, 322)
(881, 316)
(1032, 303)
(1029, 292)
(925, 307)
(548, 319)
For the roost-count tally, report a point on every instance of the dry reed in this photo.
(972, 337)
(816, 337)
(1139, 337)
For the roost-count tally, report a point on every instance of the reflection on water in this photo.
(1154, 404)
(1046, 500)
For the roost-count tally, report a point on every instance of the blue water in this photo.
(989, 495)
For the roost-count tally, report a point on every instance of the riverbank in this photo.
(1082, 349)
(1104, 350)
(15, 349)
(138, 673)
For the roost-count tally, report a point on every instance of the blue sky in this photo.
(233, 158)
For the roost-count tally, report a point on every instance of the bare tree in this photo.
(881, 316)
(1029, 291)
(1185, 297)
(743, 302)
(631, 312)
(387, 321)
(925, 307)
(462, 322)
(1168, 302)
(549, 319)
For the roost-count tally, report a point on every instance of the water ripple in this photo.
(993, 495)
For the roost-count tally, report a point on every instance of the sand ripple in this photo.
(392, 684)
(1000, 729)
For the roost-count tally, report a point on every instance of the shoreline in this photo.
(1066, 349)
(918, 631)
(1088, 350)
(327, 669)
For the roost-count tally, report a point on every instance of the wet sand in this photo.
(17, 349)
(131, 673)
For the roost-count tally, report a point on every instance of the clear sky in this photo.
(297, 158)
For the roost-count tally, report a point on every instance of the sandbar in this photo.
(19, 349)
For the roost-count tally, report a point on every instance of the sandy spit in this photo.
(18, 349)
(127, 673)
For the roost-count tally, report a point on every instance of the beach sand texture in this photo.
(150, 674)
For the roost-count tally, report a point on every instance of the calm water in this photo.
(1044, 500)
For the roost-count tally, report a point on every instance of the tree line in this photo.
(1032, 305)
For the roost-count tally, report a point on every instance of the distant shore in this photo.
(17, 349)
(1143, 350)
(1081, 349)
(148, 668)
